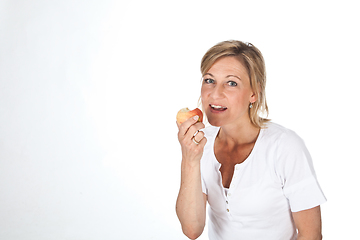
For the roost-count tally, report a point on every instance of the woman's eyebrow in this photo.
(234, 76)
(226, 76)
(209, 74)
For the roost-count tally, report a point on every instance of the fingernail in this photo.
(196, 117)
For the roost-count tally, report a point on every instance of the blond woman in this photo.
(256, 176)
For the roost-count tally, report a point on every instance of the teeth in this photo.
(217, 107)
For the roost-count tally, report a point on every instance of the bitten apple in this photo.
(185, 113)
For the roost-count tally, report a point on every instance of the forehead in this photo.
(228, 66)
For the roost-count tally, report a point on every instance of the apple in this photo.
(185, 113)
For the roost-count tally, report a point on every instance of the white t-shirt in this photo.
(276, 179)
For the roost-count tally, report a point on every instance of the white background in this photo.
(89, 91)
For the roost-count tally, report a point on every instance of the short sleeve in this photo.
(295, 169)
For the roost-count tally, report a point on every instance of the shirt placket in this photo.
(228, 197)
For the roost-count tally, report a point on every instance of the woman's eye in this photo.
(209, 80)
(232, 83)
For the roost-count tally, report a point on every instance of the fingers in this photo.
(190, 126)
(189, 133)
(191, 139)
(200, 143)
(194, 136)
(198, 137)
(185, 125)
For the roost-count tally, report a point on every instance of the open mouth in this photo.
(217, 108)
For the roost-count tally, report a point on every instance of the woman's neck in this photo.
(238, 134)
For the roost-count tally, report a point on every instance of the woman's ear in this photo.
(254, 97)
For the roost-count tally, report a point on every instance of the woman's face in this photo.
(226, 92)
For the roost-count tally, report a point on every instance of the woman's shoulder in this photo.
(277, 133)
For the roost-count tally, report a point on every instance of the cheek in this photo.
(239, 103)
(237, 98)
(204, 93)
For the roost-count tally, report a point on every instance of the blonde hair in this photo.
(253, 60)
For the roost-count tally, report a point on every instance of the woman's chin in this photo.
(215, 122)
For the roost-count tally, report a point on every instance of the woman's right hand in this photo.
(192, 140)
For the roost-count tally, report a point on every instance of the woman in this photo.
(257, 176)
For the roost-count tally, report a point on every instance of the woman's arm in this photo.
(308, 223)
(191, 202)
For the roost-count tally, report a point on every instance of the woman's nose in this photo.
(217, 92)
